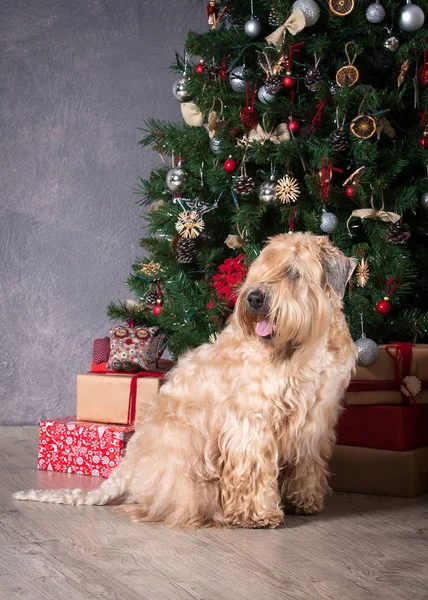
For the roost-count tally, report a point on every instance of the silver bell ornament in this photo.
(179, 90)
(329, 222)
(176, 178)
(237, 79)
(368, 351)
(424, 202)
(264, 96)
(310, 9)
(215, 145)
(391, 43)
(411, 17)
(253, 27)
(267, 191)
(375, 13)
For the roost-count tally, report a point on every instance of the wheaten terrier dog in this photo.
(245, 426)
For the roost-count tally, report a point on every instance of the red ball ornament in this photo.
(423, 142)
(200, 68)
(350, 191)
(294, 126)
(157, 309)
(423, 75)
(383, 306)
(230, 165)
(289, 82)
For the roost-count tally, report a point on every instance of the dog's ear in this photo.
(338, 270)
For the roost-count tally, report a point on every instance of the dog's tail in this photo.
(113, 488)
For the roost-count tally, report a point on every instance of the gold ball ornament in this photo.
(341, 8)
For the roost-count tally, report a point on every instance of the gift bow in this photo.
(295, 23)
(215, 124)
(372, 213)
(191, 114)
(280, 134)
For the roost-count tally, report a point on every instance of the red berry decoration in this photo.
(350, 191)
(383, 306)
(201, 67)
(157, 309)
(294, 126)
(230, 165)
(289, 82)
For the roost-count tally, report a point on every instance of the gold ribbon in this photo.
(372, 213)
(280, 134)
(215, 124)
(294, 24)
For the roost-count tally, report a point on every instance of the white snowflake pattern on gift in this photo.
(79, 460)
(105, 460)
(105, 471)
(96, 459)
(118, 435)
(112, 463)
(71, 427)
(95, 473)
(69, 440)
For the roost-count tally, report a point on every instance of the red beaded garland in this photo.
(157, 309)
(201, 67)
(383, 306)
(423, 142)
(230, 165)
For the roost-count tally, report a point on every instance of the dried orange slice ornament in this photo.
(348, 75)
(363, 127)
(341, 8)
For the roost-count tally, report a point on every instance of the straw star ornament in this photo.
(287, 189)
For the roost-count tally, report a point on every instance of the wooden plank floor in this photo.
(361, 547)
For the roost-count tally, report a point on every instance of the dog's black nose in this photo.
(256, 299)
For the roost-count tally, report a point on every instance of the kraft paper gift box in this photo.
(72, 446)
(380, 383)
(379, 472)
(115, 397)
(388, 427)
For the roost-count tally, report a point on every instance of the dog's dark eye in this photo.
(291, 273)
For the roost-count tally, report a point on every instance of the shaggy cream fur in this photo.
(245, 426)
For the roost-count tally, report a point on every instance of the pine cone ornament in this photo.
(274, 19)
(312, 77)
(274, 84)
(244, 185)
(185, 251)
(150, 298)
(398, 233)
(339, 140)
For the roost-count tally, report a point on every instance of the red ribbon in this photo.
(326, 175)
(402, 358)
(223, 69)
(132, 401)
(253, 96)
(292, 49)
(390, 287)
(293, 214)
(316, 121)
(423, 118)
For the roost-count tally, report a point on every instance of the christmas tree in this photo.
(304, 116)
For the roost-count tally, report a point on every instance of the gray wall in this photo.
(77, 78)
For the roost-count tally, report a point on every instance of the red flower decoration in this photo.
(230, 275)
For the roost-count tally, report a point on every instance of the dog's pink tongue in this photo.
(264, 328)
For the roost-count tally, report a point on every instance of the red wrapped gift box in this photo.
(82, 448)
(386, 427)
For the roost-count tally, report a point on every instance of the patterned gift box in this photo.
(71, 446)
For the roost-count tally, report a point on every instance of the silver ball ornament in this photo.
(375, 13)
(253, 27)
(215, 145)
(179, 90)
(329, 222)
(424, 202)
(368, 351)
(237, 79)
(411, 17)
(264, 96)
(310, 9)
(176, 179)
(267, 191)
(391, 44)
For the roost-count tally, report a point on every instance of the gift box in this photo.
(379, 472)
(384, 427)
(71, 446)
(115, 397)
(382, 383)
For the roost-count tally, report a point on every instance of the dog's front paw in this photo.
(266, 521)
(308, 508)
